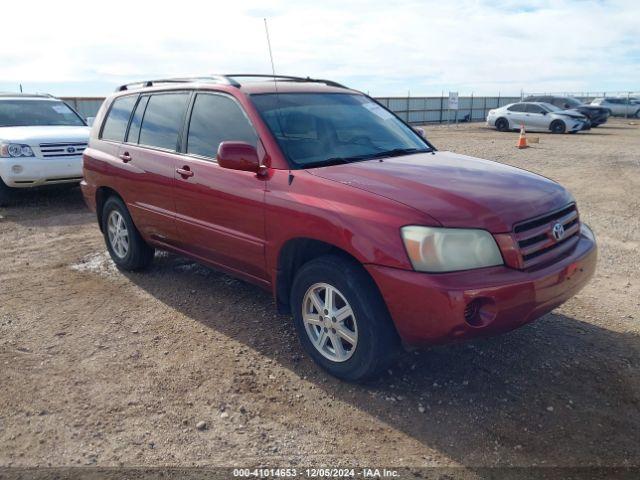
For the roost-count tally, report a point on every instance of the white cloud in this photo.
(379, 46)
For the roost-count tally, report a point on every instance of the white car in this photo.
(41, 142)
(536, 116)
(620, 106)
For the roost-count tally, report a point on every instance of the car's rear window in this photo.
(35, 112)
(163, 120)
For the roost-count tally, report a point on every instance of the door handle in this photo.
(185, 172)
(125, 157)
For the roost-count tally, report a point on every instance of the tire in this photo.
(558, 126)
(5, 193)
(502, 124)
(369, 324)
(115, 218)
(638, 114)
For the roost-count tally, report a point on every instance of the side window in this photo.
(534, 108)
(516, 107)
(215, 119)
(134, 129)
(163, 120)
(117, 119)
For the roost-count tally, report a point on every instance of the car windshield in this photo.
(572, 102)
(319, 129)
(34, 112)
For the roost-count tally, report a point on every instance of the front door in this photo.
(536, 117)
(220, 212)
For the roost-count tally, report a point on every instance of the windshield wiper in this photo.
(396, 152)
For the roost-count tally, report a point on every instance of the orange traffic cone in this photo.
(522, 141)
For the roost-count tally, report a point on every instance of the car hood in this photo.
(45, 134)
(573, 113)
(456, 190)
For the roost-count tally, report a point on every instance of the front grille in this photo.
(68, 149)
(536, 241)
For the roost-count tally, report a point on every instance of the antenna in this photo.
(273, 68)
(275, 82)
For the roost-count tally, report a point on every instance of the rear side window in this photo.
(163, 120)
(215, 119)
(134, 129)
(117, 120)
(518, 107)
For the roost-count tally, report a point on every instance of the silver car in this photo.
(620, 106)
(536, 116)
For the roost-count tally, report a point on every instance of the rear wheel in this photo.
(341, 319)
(502, 124)
(127, 248)
(557, 126)
(5, 193)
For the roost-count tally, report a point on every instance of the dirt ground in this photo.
(104, 368)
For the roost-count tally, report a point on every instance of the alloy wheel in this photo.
(329, 322)
(118, 234)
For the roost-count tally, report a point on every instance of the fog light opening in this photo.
(480, 312)
(16, 168)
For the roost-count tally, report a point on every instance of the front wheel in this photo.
(126, 246)
(341, 319)
(557, 126)
(502, 124)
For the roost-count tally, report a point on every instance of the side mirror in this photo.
(89, 120)
(420, 131)
(239, 156)
(544, 112)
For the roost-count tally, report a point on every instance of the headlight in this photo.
(15, 150)
(433, 249)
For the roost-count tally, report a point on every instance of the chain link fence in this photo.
(418, 110)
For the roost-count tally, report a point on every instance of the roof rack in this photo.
(227, 79)
(20, 94)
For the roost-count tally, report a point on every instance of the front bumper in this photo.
(430, 308)
(24, 172)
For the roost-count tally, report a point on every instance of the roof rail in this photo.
(21, 94)
(152, 83)
(290, 78)
(227, 79)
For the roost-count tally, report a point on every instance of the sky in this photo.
(390, 47)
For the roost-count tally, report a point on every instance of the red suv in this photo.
(362, 230)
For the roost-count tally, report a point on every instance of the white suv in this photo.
(620, 106)
(41, 142)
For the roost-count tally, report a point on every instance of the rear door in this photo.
(149, 152)
(220, 212)
(516, 115)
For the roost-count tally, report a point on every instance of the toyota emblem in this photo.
(558, 232)
(71, 149)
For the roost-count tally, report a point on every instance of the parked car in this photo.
(41, 142)
(360, 228)
(596, 115)
(620, 106)
(536, 116)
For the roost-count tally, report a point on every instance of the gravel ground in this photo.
(185, 366)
